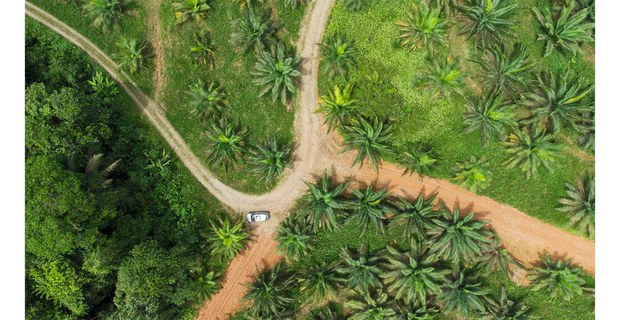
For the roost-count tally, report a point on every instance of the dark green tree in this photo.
(360, 268)
(416, 215)
(566, 32)
(323, 204)
(465, 293)
(558, 277)
(488, 21)
(270, 293)
(369, 206)
(370, 137)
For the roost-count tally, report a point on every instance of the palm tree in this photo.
(586, 126)
(423, 27)
(504, 70)
(203, 49)
(496, 258)
(374, 305)
(449, 6)
(412, 276)
(106, 14)
(270, 159)
(130, 55)
(255, 29)
(370, 137)
(531, 149)
(275, 72)
(227, 144)
(323, 204)
(556, 100)
(558, 277)
(190, 9)
(579, 204)
(294, 239)
(158, 163)
(369, 206)
(104, 88)
(506, 309)
(294, 3)
(270, 293)
(473, 175)
(417, 158)
(355, 5)
(360, 268)
(207, 101)
(487, 20)
(329, 312)
(459, 239)
(338, 106)
(442, 77)
(208, 282)
(417, 215)
(566, 33)
(491, 115)
(227, 238)
(464, 292)
(319, 282)
(339, 53)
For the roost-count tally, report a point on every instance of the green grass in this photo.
(133, 25)
(421, 117)
(232, 70)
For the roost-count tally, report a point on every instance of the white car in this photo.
(258, 216)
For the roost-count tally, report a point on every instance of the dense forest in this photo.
(115, 226)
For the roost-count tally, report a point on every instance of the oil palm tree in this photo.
(360, 268)
(339, 53)
(412, 276)
(369, 206)
(506, 70)
(203, 49)
(355, 5)
(442, 76)
(490, 115)
(567, 32)
(294, 3)
(473, 174)
(423, 28)
(227, 143)
(106, 14)
(158, 163)
(370, 305)
(130, 54)
(208, 282)
(506, 309)
(459, 238)
(370, 137)
(448, 6)
(255, 29)
(586, 126)
(559, 278)
(329, 312)
(338, 106)
(294, 239)
(270, 159)
(531, 149)
(323, 204)
(105, 88)
(319, 281)
(276, 72)
(227, 238)
(270, 293)
(496, 258)
(417, 158)
(579, 204)
(416, 215)
(207, 101)
(464, 292)
(488, 21)
(190, 9)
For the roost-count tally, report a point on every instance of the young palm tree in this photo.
(491, 115)
(329, 312)
(254, 29)
(464, 292)
(556, 101)
(227, 238)
(417, 158)
(106, 14)
(369, 206)
(506, 309)
(339, 53)
(270, 159)
(507, 71)
(338, 106)
(190, 9)
(294, 238)
(457, 238)
(558, 277)
(496, 258)
(270, 293)
(448, 6)
(579, 204)
(355, 5)
(203, 49)
(423, 27)
(566, 33)
(323, 204)
(374, 305)
(227, 144)
(104, 88)
(130, 55)
(158, 163)
(488, 20)
(531, 150)
(360, 268)
(275, 72)
(207, 101)
(208, 282)
(412, 276)
(417, 216)
(442, 77)
(586, 126)
(370, 137)
(473, 175)
(319, 282)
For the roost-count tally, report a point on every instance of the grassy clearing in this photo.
(232, 70)
(133, 25)
(421, 117)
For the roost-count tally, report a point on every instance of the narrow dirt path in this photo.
(155, 41)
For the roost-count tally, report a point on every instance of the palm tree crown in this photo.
(319, 282)
(417, 216)
(506, 309)
(418, 158)
(254, 29)
(464, 292)
(106, 14)
(203, 49)
(227, 239)
(227, 144)
(207, 101)
(507, 71)
(360, 268)
(323, 203)
(369, 207)
(579, 204)
(270, 159)
(374, 305)
(339, 52)
(423, 27)
(558, 277)
(565, 33)
(370, 137)
(294, 239)
(488, 20)
(190, 9)
(473, 174)
(130, 55)
(276, 72)
(338, 106)
(491, 115)
(442, 76)
(531, 149)
(270, 293)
